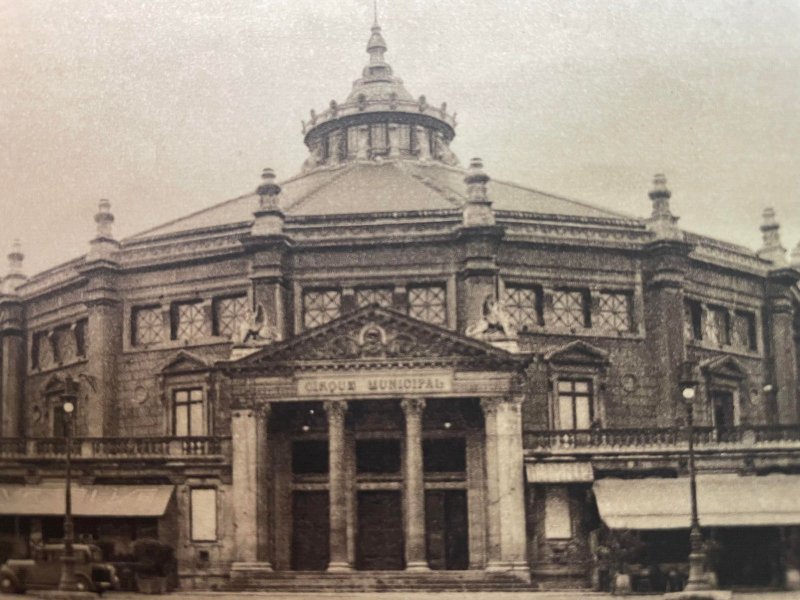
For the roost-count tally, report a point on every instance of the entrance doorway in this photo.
(310, 531)
(379, 546)
(724, 412)
(447, 530)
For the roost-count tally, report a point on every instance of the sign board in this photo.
(374, 384)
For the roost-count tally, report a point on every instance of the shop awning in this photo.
(723, 500)
(87, 500)
(559, 472)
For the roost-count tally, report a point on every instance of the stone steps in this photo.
(255, 578)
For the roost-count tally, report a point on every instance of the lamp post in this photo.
(68, 582)
(697, 557)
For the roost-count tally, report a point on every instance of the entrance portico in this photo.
(378, 443)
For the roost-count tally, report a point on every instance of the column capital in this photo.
(412, 405)
(263, 410)
(336, 409)
(490, 405)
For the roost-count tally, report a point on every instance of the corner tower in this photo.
(379, 120)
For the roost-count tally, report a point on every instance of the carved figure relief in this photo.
(255, 329)
(494, 322)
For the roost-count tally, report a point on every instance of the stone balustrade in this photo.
(610, 441)
(115, 448)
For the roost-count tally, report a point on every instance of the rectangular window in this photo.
(574, 397)
(66, 349)
(81, 328)
(36, 341)
(743, 330)
(188, 321)
(428, 303)
(404, 137)
(310, 457)
(45, 353)
(692, 320)
(189, 413)
(614, 311)
(147, 326)
(571, 308)
(448, 455)
(378, 138)
(203, 511)
(557, 520)
(229, 314)
(321, 306)
(524, 306)
(381, 296)
(377, 456)
(716, 328)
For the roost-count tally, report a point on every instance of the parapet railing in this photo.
(643, 439)
(118, 447)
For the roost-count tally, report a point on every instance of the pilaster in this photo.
(665, 268)
(244, 434)
(783, 352)
(12, 366)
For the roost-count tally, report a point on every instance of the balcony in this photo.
(596, 442)
(119, 448)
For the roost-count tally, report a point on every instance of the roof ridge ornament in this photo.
(269, 217)
(15, 276)
(477, 211)
(771, 249)
(662, 222)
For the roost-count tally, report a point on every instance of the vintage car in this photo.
(43, 571)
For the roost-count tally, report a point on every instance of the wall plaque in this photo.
(374, 384)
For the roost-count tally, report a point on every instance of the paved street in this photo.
(432, 596)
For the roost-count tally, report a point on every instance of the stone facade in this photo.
(254, 356)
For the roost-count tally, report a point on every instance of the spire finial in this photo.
(771, 249)
(477, 210)
(269, 190)
(15, 277)
(662, 222)
(104, 219)
(375, 13)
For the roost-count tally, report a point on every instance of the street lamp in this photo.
(697, 557)
(68, 582)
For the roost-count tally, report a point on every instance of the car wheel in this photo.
(82, 584)
(7, 585)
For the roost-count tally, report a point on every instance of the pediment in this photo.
(377, 336)
(183, 362)
(724, 366)
(577, 353)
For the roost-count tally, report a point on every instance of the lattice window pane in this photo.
(148, 326)
(229, 313)
(321, 306)
(380, 296)
(614, 312)
(522, 305)
(190, 321)
(428, 304)
(568, 308)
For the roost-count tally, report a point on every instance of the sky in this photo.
(169, 106)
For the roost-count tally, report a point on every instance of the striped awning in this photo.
(87, 500)
(723, 500)
(559, 472)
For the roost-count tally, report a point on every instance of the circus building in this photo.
(392, 371)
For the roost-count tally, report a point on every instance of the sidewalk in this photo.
(569, 595)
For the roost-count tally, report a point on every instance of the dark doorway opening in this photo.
(724, 416)
(447, 529)
(310, 531)
(380, 531)
(749, 557)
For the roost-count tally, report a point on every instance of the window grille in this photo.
(569, 308)
(575, 404)
(523, 306)
(148, 325)
(380, 296)
(188, 321)
(321, 306)
(428, 303)
(229, 314)
(189, 414)
(614, 311)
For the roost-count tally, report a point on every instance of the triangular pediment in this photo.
(726, 367)
(377, 336)
(577, 352)
(183, 362)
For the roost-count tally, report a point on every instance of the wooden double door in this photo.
(446, 529)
